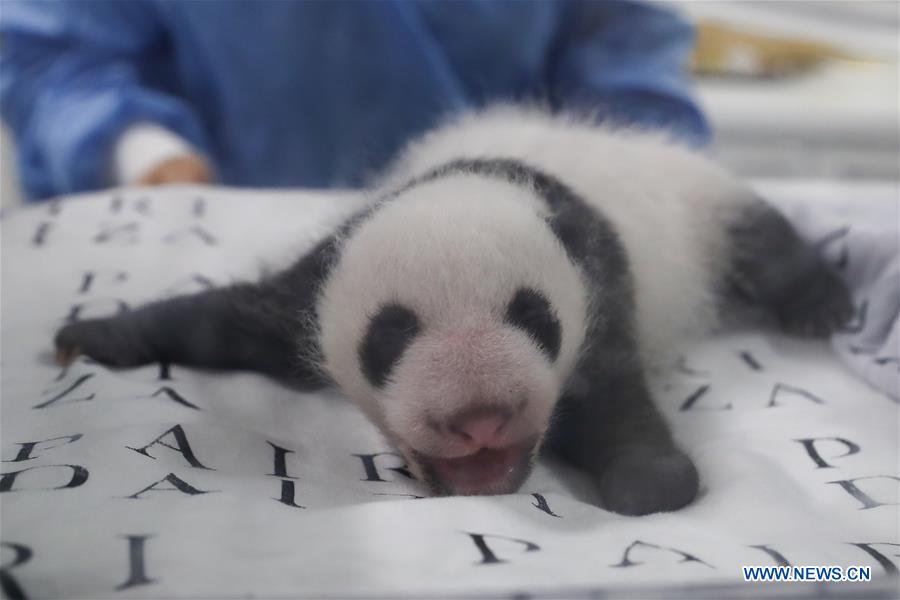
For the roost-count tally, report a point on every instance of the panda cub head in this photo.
(452, 318)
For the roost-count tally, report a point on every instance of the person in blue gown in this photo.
(312, 94)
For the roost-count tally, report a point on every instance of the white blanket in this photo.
(160, 482)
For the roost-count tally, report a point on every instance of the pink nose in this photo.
(482, 430)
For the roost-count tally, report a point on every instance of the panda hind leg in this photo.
(773, 268)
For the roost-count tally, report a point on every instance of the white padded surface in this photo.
(742, 405)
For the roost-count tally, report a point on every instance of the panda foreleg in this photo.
(608, 426)
(215, 329)
(267, 327)
(773, 268)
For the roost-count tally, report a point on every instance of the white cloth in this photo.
(798, 457)
(141, 148)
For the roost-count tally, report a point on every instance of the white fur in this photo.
(452, 250)
(668, 204)
(456, 249)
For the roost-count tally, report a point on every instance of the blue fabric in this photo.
(317, 93)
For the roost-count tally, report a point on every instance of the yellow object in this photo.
(724, 50)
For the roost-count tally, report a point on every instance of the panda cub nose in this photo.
(480, 429)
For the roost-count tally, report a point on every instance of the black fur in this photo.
(606, 422)
(390, 332)
(267, 327)
(530, 311)
(772, 267)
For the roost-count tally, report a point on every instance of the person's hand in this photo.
(189, 168)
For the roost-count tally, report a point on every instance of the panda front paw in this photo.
(108, 341)
(647, 479)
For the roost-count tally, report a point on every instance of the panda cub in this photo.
(513, 280)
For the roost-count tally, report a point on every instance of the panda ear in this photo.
(531, 311)
(391, 330)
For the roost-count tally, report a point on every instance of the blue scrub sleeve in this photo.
(71, 81)
(627, 61)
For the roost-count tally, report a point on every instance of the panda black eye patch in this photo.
(530, 311)
(390, 331)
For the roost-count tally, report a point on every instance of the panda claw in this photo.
(108, 341)
(66, 356)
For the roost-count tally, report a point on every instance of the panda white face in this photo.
(453, 317)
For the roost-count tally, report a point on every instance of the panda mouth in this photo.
(488, 471)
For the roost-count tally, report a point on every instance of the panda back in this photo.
(668, 205)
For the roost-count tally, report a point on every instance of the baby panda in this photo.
(508, 288)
